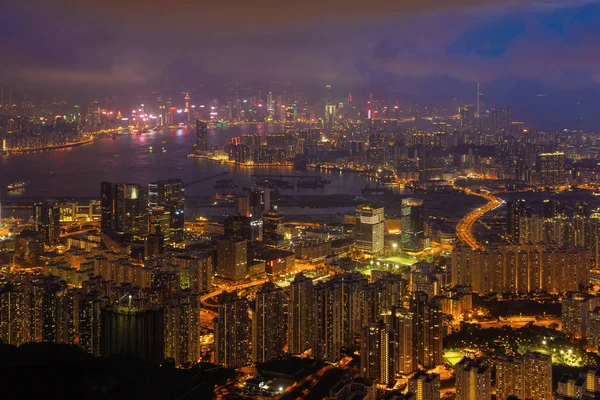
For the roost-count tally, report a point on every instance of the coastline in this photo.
(54, 147)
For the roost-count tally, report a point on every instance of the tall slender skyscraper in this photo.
(412, 224)
(107, 206)
(170, 195)
(401, 322)
(201, 137)
(427, 332)
(232, 332)
(377, 353)
(47, 222)
(290, 111)
(268, 322)
(300, 314)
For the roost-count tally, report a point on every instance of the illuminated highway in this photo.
(464, 228)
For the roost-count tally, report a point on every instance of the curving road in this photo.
(464, 228)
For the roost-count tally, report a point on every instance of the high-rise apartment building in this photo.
(133, 330)
(537, 376)
(300, 315)
(551, 169)
(401, 323)
(509, 377)
(369, 230)
(268, 324)
(526, 377)
(473, 380)
(377, 353)
(575, 313)
(428, 330)
(338, 312)
(425, 386)
(232, 332)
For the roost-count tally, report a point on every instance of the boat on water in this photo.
(17, 185)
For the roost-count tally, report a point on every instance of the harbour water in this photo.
(77, 172)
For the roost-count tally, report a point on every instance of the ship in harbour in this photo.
(17, 185)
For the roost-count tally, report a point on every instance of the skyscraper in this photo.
(412, 225)
(428, 330)
(107, 206)
(473, 380)
(290, 111)
(124, 209)
(300, 314)
(201, 137)
(268, 323)
(232, 332)
(339, 314)
(527, 377)
(551, 169)
(169, 194)
(401, 322)
(232, 258)
(133, 330)
(537, 376)
(47, 222)
(425, 386)
(369, 231)
(273, 229)
(509, 377)
(377, 353)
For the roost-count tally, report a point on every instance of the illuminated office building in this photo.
(268, 323)
(170, 195)
(124, 209)
(369, 230)
(232, 332)
(290, 117)
(412, 225)
(232, 254)
(273, 229)
(300, 315)
(201, 137)
(47, 222)
(473, 380)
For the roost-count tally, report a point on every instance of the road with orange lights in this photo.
(464, 228)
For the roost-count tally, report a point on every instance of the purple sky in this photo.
(433, 49)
